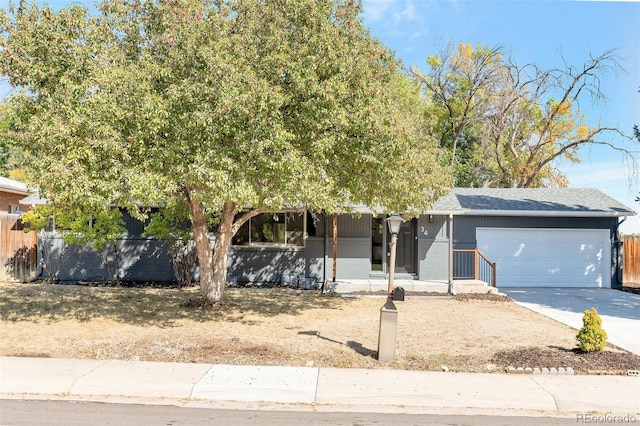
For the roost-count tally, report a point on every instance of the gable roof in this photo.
(13, 186)
(530, 202)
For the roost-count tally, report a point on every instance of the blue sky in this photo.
(544, 32)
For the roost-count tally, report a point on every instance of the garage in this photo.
(548, 257)
(538, 237)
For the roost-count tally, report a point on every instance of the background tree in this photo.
(458, 87)
(10, 155)
(516, 121)
(542, 121)
(219, 106)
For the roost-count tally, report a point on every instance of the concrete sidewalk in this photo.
(316, 389)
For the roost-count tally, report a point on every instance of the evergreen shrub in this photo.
(591, 337)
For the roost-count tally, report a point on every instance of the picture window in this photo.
(277, 229)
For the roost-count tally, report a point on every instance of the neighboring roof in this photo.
(34, 200)
(529, 202)
(13, 186)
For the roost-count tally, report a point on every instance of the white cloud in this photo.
(375, 10)
(400, 11)
(406, 14)
(417, 35)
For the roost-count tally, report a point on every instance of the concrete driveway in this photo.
(619, 310)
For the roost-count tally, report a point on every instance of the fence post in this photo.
(494, 274)
(476, 264)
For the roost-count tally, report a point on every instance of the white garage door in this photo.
(548, 257)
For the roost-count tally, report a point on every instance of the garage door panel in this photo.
(548, 257)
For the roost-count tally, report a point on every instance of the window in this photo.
(313, 221)
(377, 247)
(12, 209)
(272, 229)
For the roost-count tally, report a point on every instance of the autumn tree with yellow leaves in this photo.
(505, 125)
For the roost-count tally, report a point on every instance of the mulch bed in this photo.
(487, 297)
(606, 361)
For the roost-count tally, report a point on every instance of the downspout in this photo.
(450, 229)
(335, 248)
(324, 251)
(618, 245)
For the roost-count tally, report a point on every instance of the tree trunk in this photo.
(221, 250)
(210, 291)
(213, 262)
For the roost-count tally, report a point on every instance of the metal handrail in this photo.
(485, 271)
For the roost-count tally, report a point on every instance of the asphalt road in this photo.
(40, 413)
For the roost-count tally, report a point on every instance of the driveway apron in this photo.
(619, 310)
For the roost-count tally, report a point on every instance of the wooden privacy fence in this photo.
(18, 250)
(631, 259)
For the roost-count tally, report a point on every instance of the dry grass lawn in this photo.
(267, 327)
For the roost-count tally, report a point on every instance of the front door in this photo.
(405, 248)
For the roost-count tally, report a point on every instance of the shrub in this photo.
(591, 337)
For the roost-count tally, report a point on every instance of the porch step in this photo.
(473, 286)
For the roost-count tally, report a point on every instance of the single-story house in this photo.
(11, 192)
(531, 237)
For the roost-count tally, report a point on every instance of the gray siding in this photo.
(138, 260)
(269, 265)
(433, 248)
(351, 226)
(147, 259)
(354, 259)
(436, 229)
(315, 253)
(433, 256)
(265, 265)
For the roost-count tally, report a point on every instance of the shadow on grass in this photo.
(317, 334)
(149, 306)
(355, 346)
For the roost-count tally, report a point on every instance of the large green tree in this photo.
(10, 156)
(228, 107)
(506, 125)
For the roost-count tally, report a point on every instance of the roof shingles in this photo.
(564, 201)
